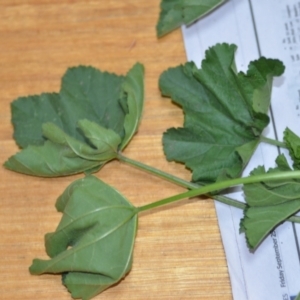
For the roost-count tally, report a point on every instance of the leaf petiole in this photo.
(157, 172)
(273, 142)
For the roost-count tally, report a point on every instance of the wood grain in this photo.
(178, 251)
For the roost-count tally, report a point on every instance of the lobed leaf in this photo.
(225, 112)
(175, 13)
(81, 128)
(269, 204)
(93, 244)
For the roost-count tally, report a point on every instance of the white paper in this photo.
(271, 29)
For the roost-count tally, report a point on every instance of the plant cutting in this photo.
(226, 112)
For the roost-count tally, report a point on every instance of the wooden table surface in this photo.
(178, 251)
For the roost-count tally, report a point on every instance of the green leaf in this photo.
(225, 112)
(81, 128)
(269, 204)
(175, 13)
(292, 142)
(93, 244)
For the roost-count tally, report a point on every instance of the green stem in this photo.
(230, 201)
(157, 172)
(188, 185)
(272, 142)
(220, 186)
(178, 181)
